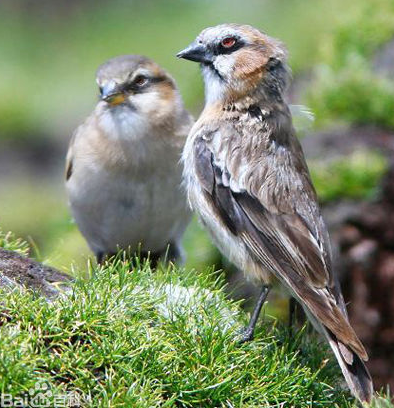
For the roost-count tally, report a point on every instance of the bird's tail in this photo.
(353, 368)
(332, 321)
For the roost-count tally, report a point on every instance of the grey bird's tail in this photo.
(353, 368)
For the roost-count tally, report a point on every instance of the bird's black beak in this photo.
(196, 52)
(112, 94)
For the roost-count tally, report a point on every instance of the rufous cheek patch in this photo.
(250, 65)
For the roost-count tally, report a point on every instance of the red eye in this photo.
(228, 42)
(140, 80)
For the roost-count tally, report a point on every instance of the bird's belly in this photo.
(119, 212)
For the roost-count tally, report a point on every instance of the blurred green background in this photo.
(49, 53)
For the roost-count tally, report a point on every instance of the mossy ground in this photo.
(132, 337)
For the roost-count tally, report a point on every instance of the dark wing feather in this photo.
(282, 243)
(204, 168)
(69, 157)
(288, 232)
(69, 169)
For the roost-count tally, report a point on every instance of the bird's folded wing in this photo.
(69, 163)
(70, 154)
(281, 242)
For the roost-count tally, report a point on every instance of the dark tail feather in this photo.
(355, 372)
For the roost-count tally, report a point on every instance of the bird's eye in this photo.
(140, 80)
(228, 42)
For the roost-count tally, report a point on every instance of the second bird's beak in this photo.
(112, 94)
(196, 52)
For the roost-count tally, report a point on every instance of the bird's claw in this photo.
(246, 335)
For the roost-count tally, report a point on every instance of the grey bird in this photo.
(247, 178)
(123, 170)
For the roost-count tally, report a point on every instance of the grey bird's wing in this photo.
(70, 152)
(260, 188)
(69, 161)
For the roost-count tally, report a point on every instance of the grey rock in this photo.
(17, 270)
(383, 63)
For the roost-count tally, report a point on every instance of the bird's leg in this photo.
(249, 331)
(292, 312)
(153, 258)
(172, 253)
(296, 314)
(100, 256)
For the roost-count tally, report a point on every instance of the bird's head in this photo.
(133, 83)
(238, 59)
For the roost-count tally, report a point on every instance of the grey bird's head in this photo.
(133, 83)
(236, 60)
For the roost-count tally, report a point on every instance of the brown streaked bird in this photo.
(123, 172)
(247, 179)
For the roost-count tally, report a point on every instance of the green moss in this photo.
(134, 337)
(357, 176)
(345, 87)
(353, 94)
(382, 402)
(11, 243)
(363, 31)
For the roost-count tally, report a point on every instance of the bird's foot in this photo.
(246, 334)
